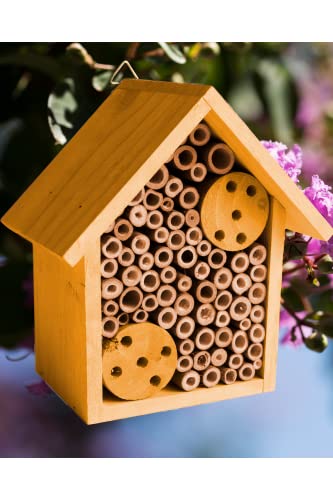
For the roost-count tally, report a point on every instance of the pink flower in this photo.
(320, 195)
(290, 160)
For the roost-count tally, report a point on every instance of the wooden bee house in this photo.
(159, 228)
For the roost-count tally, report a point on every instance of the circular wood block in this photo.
(234, 211)
(139, 361)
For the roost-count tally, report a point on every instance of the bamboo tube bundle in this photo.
(184, 157)
(138, 198)
(110, 326)
(192, 217)
(257, 293)
(186, 257)
(222, 319)
(166, 295)
(173, 187)
(111, 288)
(168, 275)
(111, 246)
(154, 219)
(257, 254)
(110, 307)
(258, 273)
(217, 258)
(245, 324)
(137, 215)
(184, 282)
(184, 304)
(223, 337)
(140, 316)
(235, 361)
(256, 333)
(200, 135)
(240, 262)
(240, 308)
(206, 292)
(223, 300)
(167, 204)
(228, 376)
(221, 278)
(246, 371)
(126, 257)
(204, 247)
(123, 229)
(140, 243)
(175, 220)
(200, 271)
(149, 302)
(185, 347)
(239, 342)
(197, 173)
(204, 314)
(131, 275)
(159, 235)
(211, 376)
(109, 268)
(201, 360)
(257, 364)
(130, 300)
(257, 314)
(163, 257)
(187, 381)
(165, 317)
(254, 351)
(188, 197)
(146, 261)
(184, 327)
(218, 356)
(176, 239)
(152, 199)
(184, 364)
(150, 281)
(218, 157)
(204, 338)
(123, 318)
(159, 180)
(241, 283)
(193, 235)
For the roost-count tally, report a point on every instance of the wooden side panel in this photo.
(274, 239)
(60, 328)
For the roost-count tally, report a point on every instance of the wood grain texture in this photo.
(274, 240)
(301, 215)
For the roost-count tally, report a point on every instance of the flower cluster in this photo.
(289, 159)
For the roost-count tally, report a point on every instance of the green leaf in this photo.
(326, 324)
(101, 80)
(173, 52)
(325, 264)
(316, 342)
(293, 299)
(62, 105)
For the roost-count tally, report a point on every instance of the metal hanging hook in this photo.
(117, 70)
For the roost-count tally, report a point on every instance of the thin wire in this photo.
(117, 71)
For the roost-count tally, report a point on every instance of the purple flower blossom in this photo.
(321, 196)
(290, 160)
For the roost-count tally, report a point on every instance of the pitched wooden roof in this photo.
(120, 148)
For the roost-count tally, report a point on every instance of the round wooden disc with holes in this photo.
(139, 361)
(234, 211)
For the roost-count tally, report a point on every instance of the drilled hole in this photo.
(166, 351)
(126, 341)
(219, 235)
(231, 186)
(251, 190)
(116, 371)
(241, 238)
(143, 362)
(236, 214)
(155, 380)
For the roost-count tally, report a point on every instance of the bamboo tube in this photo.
(111, 246)
(150, 281)
(204, 338)
(123, 318)
(218, 157)
(111, 288)
(200, 135)
(185, 157)
(257, 314)
(257, 364)
(204, 248)
(246, 372)
(201, 360)
(204, 314)
(185, 347)
(197, 173)
(110, 228)
(222, 318)
(126, 257)
(257, 293)
(140, 316)
(184, 304)
(130, 300)
(192, 217)
(258, 273)
(186, 257)
(163, 257)
(184, 364)
(221, 278)
(245, 324)
(240, 262)
(256, 333)
(228, 376)
(254, 351)
(140, 243)
(149, 302)
(154, 219)
(159, 180)
(223, 337)
(138, 198)
(187, 381)
(223, 300)
(110, 307)
(206, 292)
(167, 204)
(193, 235)
(184, 327)
(131, 275)
(176, 239)
(235, 361)
(175, 220)
(239, 342)
(200, 271)
(146, 261)
(211, 376)
(110, 326)
(257, 254)
(173, 187)
(137, 215)
(159, 235)
(152, 199)
(166, 295)
(218, 356)
(168, 275)
(165, 317)
(241, 283)
(217, 258)
(109, 268)
(123, 229)
(188, 197)
(240, 308)
(184, 283)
